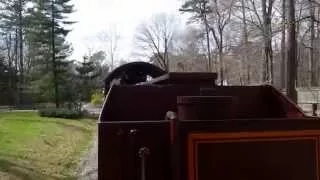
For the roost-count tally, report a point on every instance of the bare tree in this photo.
(259, 15)
(110, 39)
(190, 42)
(200, 10)
(154, 38)
(190, 48)
(267, 36)
(264, 29)
(220, 18)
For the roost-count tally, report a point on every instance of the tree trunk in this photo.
(221, 56)
(299, 51)
(312, 46)
(267, 36)
(21, 52)
(11, 72)
(166, 57)
(17, 96)
(208, 43)
(54, 66)
(265, 71)
(111, 53)
(271, 77)
(266, 62)
(283, 46)
(317, 50)
(245, 42)
(292, 58)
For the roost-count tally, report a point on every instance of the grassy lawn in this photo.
(37, 148)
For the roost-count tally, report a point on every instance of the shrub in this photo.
(97, 98)
(61, 113)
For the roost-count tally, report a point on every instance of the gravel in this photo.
(89, 165)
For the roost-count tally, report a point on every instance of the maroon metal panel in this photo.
(141, 103)
(235, 127)
(205, 107)
(133, 118)
(256, 101)
(119, 144)
(276, 158)
(151, 102)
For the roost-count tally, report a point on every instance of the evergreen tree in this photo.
(48, 20)
(87, 72)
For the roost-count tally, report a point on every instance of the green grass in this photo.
(33, 147)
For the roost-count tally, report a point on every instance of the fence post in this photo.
(314, 109)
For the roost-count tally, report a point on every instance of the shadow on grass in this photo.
(21, 172)
(25, 173)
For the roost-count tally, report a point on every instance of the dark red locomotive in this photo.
(181, 126)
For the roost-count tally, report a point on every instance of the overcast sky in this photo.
(94, 16)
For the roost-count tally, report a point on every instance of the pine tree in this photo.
(47, 22)
(87, 72)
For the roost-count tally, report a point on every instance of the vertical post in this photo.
(175, 144)
(131, 173)
(143, 153)
(314, 109)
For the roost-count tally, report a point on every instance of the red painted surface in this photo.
(142, 109)
(196, 139)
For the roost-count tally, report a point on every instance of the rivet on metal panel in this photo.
(170, 115)
(133, 132)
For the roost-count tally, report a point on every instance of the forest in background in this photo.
(35, 64)
(245, 41)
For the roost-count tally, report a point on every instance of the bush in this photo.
(61, 113)
(97, 98)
